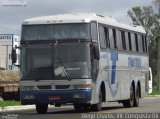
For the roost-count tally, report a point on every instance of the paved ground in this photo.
(147, 105)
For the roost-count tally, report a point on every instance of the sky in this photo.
(11, 17)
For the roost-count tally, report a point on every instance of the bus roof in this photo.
(82, 18)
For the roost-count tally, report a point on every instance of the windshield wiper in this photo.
(63, 68)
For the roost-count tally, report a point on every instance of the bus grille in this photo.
(44, 87)
(62, 86)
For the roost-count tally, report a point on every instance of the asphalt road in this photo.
(147, 105)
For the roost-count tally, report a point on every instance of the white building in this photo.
(6, 42)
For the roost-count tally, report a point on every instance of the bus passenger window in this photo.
(140, 45)
(111, 39)
(143, 44)
(129, 39)
(123, 40)
(136, 43)
(119, 40)
(133, 42)
(145, 40)
(94, 34)
(102, 37)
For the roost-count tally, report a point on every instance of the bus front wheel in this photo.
(98, 106)
(41, 108)
(130, 101)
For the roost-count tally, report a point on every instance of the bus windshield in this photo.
(51, 62)
(72, 59)
(56, 31)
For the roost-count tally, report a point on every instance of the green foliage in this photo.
(155, 91)
(155, 81)
(144, 17)
(9, 103)
(153, 53)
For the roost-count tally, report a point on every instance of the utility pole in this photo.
(7, 46)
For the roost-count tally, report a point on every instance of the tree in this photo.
(147, 18)
(144, 17)
(157, 37)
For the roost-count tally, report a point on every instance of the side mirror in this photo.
(96, 51)
(14, 56)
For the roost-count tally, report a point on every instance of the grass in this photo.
(9, 103)
(155, 92)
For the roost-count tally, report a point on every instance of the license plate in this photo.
(54, 98)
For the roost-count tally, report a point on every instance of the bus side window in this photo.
(136, 42)
(143, 44)
(94, 34)
(123, 40)
(140, 45)
(119, 40)
(111, 39)
(133, 42)
(102, 37)
(129, 39)
(146, 46)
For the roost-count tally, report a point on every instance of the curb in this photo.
(15, 108)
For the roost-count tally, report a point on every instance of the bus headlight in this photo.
(28, 88)
(82, 86)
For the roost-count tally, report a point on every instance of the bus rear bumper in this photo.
(55, 96)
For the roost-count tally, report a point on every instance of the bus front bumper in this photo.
(55, 96)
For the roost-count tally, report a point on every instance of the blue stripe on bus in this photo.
(114, 58)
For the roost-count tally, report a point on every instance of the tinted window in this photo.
(129, 39)
(57, 31)
(146, 44)
(112, 38)
(102, 37)
(94, 34)
(136, 42)
(140, 43)
(123, 40)
(119, 40)
(133, 42)
(143, 44)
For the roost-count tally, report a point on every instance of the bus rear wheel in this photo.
(130, 101)
(41, 108)
(136, 98)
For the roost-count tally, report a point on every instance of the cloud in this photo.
(12, 17)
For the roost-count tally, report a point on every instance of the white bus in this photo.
(84, 59)
(150, 81)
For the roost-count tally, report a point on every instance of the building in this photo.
(6, 44)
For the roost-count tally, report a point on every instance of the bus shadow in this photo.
(107, 109)
(86, 111)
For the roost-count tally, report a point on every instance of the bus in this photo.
(82, 59)
(150, 81)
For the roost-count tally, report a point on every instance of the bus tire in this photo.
(130, 101)
(136, 98)
(41, 108)
(77, 107)
(81, 107)
(98, 106)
